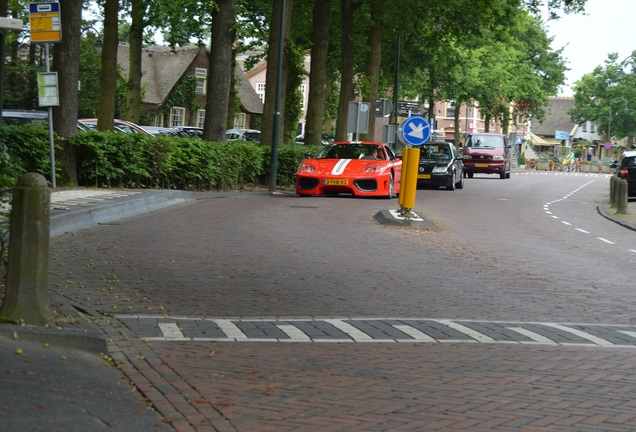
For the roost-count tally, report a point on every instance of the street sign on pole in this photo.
(45, 22)
(358, 118)
(414, 131)
(48, 94)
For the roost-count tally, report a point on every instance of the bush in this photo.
(119, 160)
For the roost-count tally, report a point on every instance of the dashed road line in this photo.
(377, 330)
(546, 209)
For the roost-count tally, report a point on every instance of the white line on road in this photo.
(594, 339)
(605, 240)
(230, 329)
(350, 330)
(171, 331)
(466, 330)
(414, 333)
(293, 332)
(532, 335)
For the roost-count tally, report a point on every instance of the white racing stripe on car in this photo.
(339, 168)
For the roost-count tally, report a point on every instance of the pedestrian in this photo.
(570, 157)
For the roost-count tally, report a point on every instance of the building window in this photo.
(201, 75)
(450, 109)
(584, 127)
(158, 122)
(177, 116)
(239, 121)
(200, 118)
(260, 91)
(592, 128)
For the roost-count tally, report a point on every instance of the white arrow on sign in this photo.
(417, 131)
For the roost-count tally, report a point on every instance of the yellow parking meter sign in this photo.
(45, 22)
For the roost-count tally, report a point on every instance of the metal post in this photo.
(274, 155)
(396, 88)
(50, 110)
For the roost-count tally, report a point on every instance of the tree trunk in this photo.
(220, 70)
(108, 72)
(456, 133)
(66, 62)
(347, 64)
(372, 66)
(318, 72)
(233, 97)
(133, 100)
(269, 106)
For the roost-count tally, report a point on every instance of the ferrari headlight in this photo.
(306, 167)
(372, 168)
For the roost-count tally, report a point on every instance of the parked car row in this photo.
(353, 167)
(124, 126)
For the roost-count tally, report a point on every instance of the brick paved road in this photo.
(201, 266)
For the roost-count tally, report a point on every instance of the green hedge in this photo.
(118, 160)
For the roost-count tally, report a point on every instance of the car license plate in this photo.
(423, 176)
(481, 165)
(337, 182)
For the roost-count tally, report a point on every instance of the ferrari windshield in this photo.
(352, 151)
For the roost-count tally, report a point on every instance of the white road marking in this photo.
(414, 333)
(350, 330)
(466, 330)
(582, 230)
(605, 240)
(293, 332)
(594, 339)
(230, 329)
(171, 331)
(532, 335)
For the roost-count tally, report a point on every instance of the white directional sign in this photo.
(414, 131)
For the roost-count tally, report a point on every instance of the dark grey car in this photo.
(626, 170)
(440, 165)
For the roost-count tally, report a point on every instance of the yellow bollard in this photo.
(405, 157)
(410, 183)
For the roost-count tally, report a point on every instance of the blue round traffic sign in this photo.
(414, 131)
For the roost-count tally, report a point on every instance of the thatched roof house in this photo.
(163, 69)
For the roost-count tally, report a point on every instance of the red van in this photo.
(486, 153)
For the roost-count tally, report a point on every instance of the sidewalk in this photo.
(627, 220)
(61, 379)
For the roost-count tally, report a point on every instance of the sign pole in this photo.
(45, 23)
(50, 110)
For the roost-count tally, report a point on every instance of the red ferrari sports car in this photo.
(357, 168)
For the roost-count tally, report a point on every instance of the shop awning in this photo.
(537, 140)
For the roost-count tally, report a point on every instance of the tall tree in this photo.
(66, 61)
(135, 42)
(372, 64)
(318, 72)
(348, 8)
(269, 114)
(221, 70)
(108, 72)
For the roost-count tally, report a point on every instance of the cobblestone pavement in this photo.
(312, 317)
